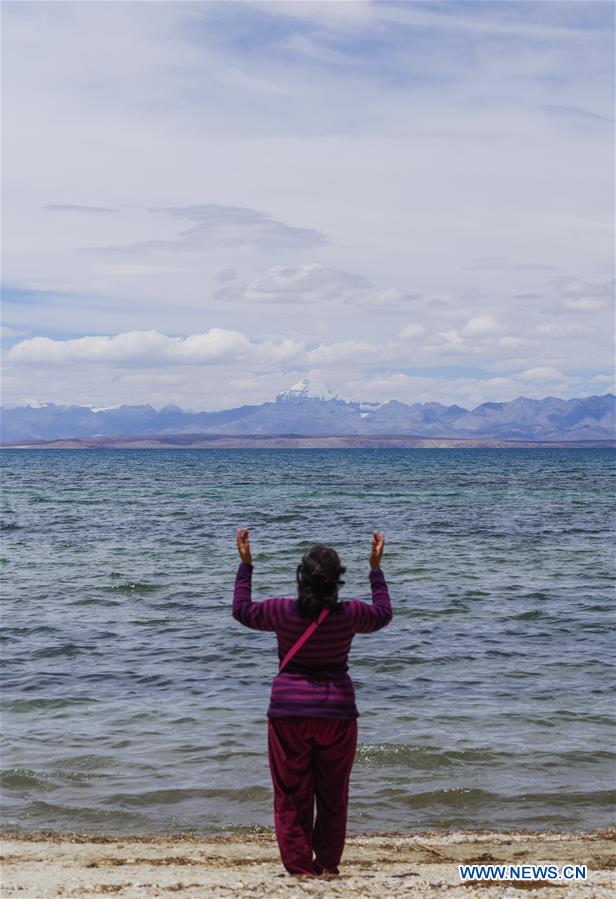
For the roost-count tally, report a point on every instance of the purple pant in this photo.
(311, 758)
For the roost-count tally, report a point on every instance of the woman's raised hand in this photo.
(243, 545)
(376, 550)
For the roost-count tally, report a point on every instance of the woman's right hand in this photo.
(376, 550)
(243, 545)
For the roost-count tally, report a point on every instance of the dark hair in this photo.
(318, 579)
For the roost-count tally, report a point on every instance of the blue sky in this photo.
(205, 202)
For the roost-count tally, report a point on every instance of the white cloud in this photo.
(285, 351)
(313, 283)
(465, 391)
(480, 326)
(576, 111)
(310, 282)
(213, 226)
(343, 15)
(359, 15)
(389, 298)
(235, 77)
(452, 337)
(7, 332)
(315, 49)
(582, 296)
(150, 348)
(541, 374)
(415, 329)
(512, 343)
(563, 329)
(449, 18)
(603, 379)
(342, 351)
(135, 347)
(585, 304)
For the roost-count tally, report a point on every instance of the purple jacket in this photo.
(315, 683)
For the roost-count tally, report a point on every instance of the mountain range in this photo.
(297, 411)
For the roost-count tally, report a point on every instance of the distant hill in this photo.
(298, 412)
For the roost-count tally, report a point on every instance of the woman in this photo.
(312, 728)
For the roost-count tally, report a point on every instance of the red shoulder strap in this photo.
(307, 633)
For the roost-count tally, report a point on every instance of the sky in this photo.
(204, 203)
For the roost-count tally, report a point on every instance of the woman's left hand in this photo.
(243, 545)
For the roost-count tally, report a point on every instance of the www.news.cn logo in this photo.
(523, 872)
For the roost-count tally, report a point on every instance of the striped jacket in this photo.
(315, 683)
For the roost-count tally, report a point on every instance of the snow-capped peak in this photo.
(366, 407)
(27, 404)
(305, 390)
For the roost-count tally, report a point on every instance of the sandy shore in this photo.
(38, 866)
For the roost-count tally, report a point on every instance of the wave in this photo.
(383, 755)
(387, 755)
(69, 649)
(32, 705)
(28, 779)
(133, 587)
(174, 796)
(469, 798)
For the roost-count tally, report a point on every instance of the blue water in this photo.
(132, 702)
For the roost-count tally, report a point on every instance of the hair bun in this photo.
(318, 580)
